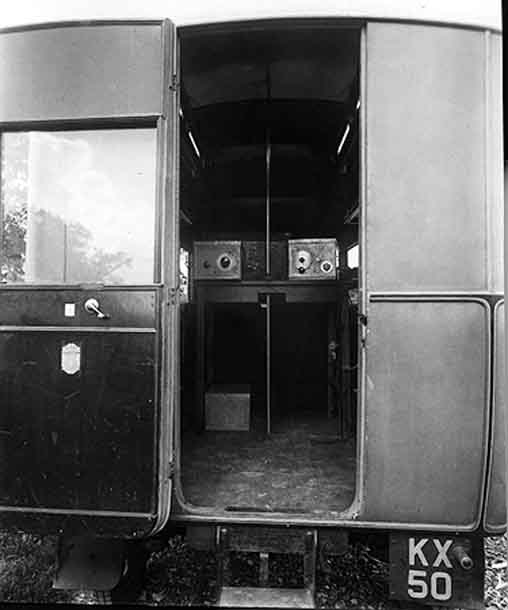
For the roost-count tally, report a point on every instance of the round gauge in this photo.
(225, 262)
(326, 267)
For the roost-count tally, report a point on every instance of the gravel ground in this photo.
(496, 574)
(179, 575)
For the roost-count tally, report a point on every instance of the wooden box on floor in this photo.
(227, 407)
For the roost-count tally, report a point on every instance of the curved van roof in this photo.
(475, 13)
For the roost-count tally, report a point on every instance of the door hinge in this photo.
(174, 84)
(171, 468)
(173, 295)
(172, 464)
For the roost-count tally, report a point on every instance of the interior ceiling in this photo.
(301, 64)
(312, 126)
(302, 84)
(298, 88)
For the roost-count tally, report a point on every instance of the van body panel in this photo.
(495, 514)
(427, 369)
(426, 179)
(494, 162)
(485, 14)
(81, 72)
(79, 411)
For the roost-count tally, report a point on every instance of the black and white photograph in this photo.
(252, 321)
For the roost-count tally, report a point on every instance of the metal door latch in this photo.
(92, 306)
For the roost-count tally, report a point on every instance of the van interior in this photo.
(269, 155)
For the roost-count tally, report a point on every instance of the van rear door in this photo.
(87, 120)
(431, 240)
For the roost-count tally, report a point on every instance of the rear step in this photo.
(265, 597)
(293, 541)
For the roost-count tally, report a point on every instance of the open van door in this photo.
(429, 192)
(88, 119)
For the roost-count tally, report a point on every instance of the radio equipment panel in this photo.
(214, 260)
(254, 260)
(313, 259)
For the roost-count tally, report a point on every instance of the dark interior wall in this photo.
(310, 189)
(238, 344)
(296, 89)
(299, 356)
(298, 349)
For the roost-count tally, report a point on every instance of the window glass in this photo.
(353, 256)
(184, 275)
(78, 206)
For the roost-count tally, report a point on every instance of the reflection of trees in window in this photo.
(13, 198)
(60, 252)
(57, 251)
(12, 253)
(85, 264)
(74, 210)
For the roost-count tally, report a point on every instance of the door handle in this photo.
(92, 306)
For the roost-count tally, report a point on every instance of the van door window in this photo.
(78, 206)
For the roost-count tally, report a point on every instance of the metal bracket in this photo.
(171, 467)
(173, 295)
(174, 83)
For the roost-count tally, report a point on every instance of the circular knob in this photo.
(303, 261)
(326, 266)
(224, 262)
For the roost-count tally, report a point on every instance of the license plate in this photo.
(434, 570)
